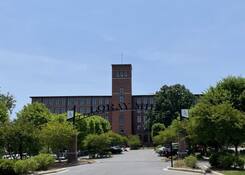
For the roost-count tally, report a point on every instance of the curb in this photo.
(50, 171)
(216, 173)
(187, 170)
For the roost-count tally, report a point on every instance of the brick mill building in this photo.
(126, 112)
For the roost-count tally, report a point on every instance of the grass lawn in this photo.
(233, 172)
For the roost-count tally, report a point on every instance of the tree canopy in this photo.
(19, 136)
(3, 113)
(57, 135)
(169, 101)
(8, 100)
(218, 118)
(156, 128)
(35, 113)
(91, 125)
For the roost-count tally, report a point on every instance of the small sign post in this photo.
(70, 114)
(185, 113)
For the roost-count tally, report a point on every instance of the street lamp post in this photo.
(182, 143)
(72, 148)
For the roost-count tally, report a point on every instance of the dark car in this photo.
(115, 150)
(166, 151)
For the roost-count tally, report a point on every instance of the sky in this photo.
(66, 47)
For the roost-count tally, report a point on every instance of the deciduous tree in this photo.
(169, 101)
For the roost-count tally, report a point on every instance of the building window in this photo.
(88, 101)
(106, 101)
(100, 101)
(56, 110)
(121, 120)
(121, 91)
(107, 116)
(151, 100)
(138, 127)
(87, 110)
(81, 110)
(121, 99)
(94, 101)
(138, 101)
(117, 74)
(71, 101)
(139, 119)
(125, 74)
(61, 110)
(121, 74)
(82, 101)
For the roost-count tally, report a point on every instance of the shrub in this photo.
(242, 152)
(179, 164)
(44, 161)
(226, 161)
(7, 167)
(134, 142)
(229, 151)
(116, 139)
(190, 161)
(156, 128)
(97, 144)
(25, 166)
(223, 160)
(213, 160)
(239, 163)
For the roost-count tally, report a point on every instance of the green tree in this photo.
(156, 128)
(134, 141)
(223, 122)
(35, 113)
(230, 90)
(57, 135)
(170, 134)
(116, 139)
(8, 100)
(91, 125)
(3, 113)
(97, 144)
(20, 137)
(220, 113)
(169, 101)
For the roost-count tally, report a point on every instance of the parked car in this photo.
(115, 150)
(166, 151)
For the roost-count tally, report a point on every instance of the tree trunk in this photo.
(236, 149)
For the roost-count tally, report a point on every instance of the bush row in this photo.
(100, 145)
(224, 160)
(21, 167)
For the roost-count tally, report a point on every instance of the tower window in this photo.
(125, 74)
(121, 74)
(121, 91)
(121, 99)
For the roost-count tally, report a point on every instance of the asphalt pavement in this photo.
(134, 162)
